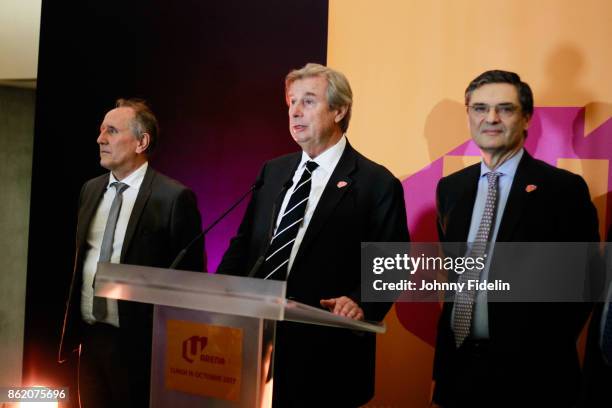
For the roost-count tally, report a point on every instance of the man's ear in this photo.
(527, 122)
(341, 113)
(143, 143)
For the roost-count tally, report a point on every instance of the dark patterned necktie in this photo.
(277, 257)
(106, 249)
(464, 300)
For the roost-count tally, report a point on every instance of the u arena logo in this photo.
(193, 347)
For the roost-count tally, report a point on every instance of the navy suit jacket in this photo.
(532, 348)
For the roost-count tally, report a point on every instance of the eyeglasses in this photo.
(503, 110)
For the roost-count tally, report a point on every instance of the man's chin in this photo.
(105, 164)
(303, 142)
(489, 146)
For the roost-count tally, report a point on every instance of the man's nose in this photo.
(101, 138)
(492, 115)
(295, 110)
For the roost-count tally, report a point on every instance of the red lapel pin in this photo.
(530, 188)
(342, 184)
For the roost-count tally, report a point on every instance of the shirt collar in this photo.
(329, 158)
(134, 179)
(508, 168)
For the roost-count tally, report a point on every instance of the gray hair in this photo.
(144, 120)
(339, 93)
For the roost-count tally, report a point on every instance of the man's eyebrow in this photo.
(309, 93)
(497, 104)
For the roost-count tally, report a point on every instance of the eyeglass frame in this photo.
(498, 110)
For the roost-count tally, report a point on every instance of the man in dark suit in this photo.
(305, 225)
(132, 215)
(508, 354)
(597, 363)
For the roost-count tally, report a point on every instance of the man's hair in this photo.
(503, 77)
(144, 120)
(339, 91)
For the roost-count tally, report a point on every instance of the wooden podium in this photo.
(213, 335)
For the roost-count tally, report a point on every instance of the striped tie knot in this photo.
(311, 166)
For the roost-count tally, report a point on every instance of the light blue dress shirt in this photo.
(480, 321)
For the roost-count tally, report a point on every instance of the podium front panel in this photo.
(206, 359)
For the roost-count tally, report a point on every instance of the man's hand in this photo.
(343, 306)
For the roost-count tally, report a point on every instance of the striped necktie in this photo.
(277, 257)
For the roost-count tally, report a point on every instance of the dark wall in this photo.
(213, 72)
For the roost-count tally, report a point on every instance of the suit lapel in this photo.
(139, 205)
(461, 214)
(332, 194)
(517, 199)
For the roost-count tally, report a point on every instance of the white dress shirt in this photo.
(327, 162)
(94, 241)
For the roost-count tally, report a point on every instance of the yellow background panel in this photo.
(452, 164)
(409, 63)
(395, 349)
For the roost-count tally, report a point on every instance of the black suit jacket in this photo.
(532, 349)
(316, 365)
(597, 373)
(164, 219)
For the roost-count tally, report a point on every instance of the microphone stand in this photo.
(201, 235)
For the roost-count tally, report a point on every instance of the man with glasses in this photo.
(492, 354)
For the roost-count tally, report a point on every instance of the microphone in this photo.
(262, 258)
(256, 185)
